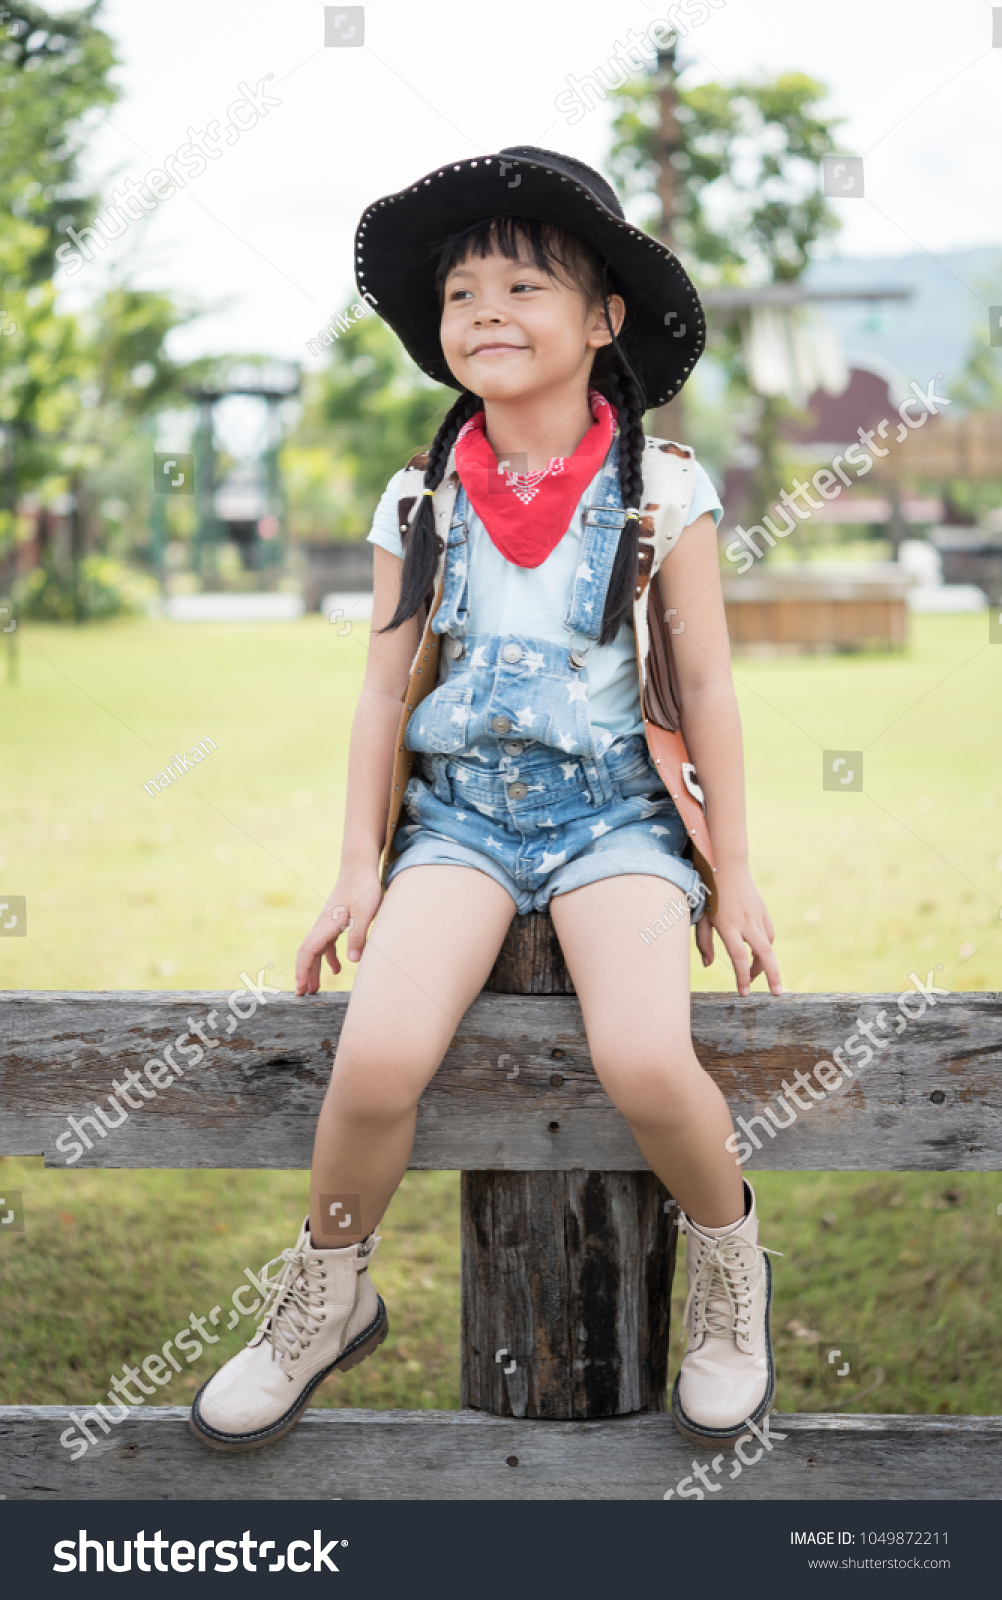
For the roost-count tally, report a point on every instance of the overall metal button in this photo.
(578, 658)
(512, 653)
(518, 791)
(513, 747)
(454, 648)
(501, 724)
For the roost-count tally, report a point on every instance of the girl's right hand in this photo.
(351, 905)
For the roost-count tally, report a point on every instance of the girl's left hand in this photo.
(741, 921)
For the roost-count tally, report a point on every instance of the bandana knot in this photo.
(527, 514)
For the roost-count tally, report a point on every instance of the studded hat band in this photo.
(399, 241)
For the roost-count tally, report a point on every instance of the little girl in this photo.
(525, 540)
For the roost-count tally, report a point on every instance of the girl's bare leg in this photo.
(635, 999)
(427, 957)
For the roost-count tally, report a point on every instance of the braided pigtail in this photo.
(421, 548)
(616, 379)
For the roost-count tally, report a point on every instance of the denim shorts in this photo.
(566, 821)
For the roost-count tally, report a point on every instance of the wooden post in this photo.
(566, 1275)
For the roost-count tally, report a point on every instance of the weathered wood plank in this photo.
(465, 1455)
(567, 1282)
(255, 1100)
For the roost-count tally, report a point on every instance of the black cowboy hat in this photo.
(399, 239)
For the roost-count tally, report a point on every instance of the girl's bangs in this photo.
(552, 250)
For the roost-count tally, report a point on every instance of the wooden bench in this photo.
(797, 610)
(568, 1239)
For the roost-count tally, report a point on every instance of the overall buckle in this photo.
(599, 516)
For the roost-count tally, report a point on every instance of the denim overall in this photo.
(511, 777)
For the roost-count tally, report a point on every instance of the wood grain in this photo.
(465, 1455)
(531, 960)
(569, 1274)
(256, 1100)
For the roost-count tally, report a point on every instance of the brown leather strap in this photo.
(670, 756)
(662, 699)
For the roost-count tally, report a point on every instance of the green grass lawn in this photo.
(225, 871)
(111, 1264)
(228, 867)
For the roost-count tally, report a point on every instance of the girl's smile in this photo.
(495, 349)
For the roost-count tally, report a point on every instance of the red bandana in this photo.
(527, 514)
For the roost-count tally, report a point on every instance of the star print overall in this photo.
(511, 777)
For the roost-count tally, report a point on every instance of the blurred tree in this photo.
(365, 414)
(75, 393)
(748, 207)
(978, 385)
(53, 71)
(976, 388)
(126, 337)
(124, 378)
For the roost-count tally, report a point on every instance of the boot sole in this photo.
(361, 1346)
(694, 1431)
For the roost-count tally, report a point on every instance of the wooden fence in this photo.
(556, 1201)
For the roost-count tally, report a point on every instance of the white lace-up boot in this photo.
(321, 1314)
(727, 1375)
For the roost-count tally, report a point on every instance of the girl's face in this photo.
(509, 330)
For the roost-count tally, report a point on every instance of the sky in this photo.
(262, 237)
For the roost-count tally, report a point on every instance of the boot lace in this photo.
(291, 1303)
(720, 1295)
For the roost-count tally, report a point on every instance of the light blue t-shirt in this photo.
(505, 598)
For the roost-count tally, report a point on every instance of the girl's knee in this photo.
(373, 1085)
(655, 1091)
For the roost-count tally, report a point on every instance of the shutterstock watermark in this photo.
(159, 1367)
(827, 1074)
(659, 35)
(829, 482)
(162, 1070)
(344, 321)
(71, 1554)
(14, 917)
(176, 171)
(672, 911)
(168, 776)
(686, 1488)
